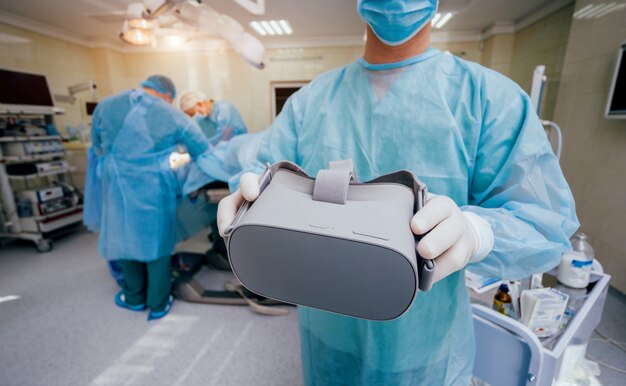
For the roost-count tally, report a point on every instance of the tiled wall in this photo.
(543, 42)
(594, 153)
(497, 53)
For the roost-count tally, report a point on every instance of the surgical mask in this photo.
(396, 21)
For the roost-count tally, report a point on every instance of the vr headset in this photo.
(331, 242)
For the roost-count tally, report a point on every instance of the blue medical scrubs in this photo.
(222, 124)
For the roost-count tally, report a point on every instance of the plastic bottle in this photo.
(575, 267)
(502, 301)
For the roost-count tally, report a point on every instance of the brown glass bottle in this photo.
(502, 301)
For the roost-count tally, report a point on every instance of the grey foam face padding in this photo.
(356, 259)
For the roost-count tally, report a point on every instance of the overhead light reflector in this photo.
(272, 27)
(136, 36)
(139, 24)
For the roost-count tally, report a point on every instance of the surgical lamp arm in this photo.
(207, 20)
(75, 89)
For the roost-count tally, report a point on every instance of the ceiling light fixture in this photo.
(597, 10)
(257, 28)
(615, 7)
(436, 18)
(267, 28)
(583, 11)
(272, 27)
(276, 27)
(286, 26)
(444, 20)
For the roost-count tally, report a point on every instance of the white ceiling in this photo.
(311, 19)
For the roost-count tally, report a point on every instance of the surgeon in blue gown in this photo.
(131, 189)
(502, 205)
(221, 123)
(219, 120)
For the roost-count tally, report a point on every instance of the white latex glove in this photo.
(249, 190)
(455, 239)
(178, 160)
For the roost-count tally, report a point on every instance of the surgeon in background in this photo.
(502, 206)
(130, 194)
(219, 120)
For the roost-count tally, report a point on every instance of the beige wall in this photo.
(594, 152)
(543, 42)
(110, 70)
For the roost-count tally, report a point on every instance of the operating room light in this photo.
(174, 40)
(136, 36)
(139, 24)
(272, 27)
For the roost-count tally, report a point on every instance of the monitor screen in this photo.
(90, 107)
(20, 88)
(617, 101)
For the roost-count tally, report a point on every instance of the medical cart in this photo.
(508, 353)
(36, 198)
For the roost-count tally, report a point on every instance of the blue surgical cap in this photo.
(160, 83)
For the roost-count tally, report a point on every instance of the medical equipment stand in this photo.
(509, 353)
(536, 95)
(35, 228)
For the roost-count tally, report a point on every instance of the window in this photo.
(281, 91)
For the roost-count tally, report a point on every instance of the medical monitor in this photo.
(616, 105)
(23, 92)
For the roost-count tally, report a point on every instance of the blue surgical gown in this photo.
(133, 135)
(467, 132)
(223, 163)
(222, 124)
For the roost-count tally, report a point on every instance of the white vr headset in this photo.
(331, 242)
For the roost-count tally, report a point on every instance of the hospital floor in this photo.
(64, 329)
